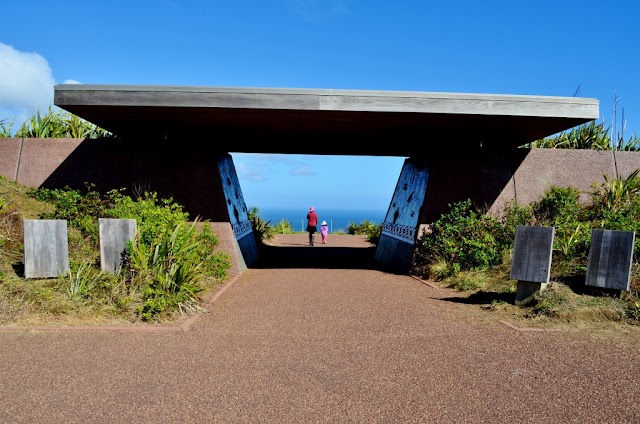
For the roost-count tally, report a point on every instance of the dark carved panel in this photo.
(532, 250)
(403, 214)
(610, 258)
(400, 232)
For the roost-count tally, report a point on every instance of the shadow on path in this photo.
(294, 251)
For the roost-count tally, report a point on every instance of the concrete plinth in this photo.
(527, 290)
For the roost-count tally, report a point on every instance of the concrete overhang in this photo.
(323, 121)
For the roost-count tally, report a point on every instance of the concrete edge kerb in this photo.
(182, 327)
(425, 282)
(185, 325)
(532, 329)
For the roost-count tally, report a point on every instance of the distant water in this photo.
(337, 219)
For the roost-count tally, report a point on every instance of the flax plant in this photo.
(5, 128)
(590, 136)
(43, 126)
(76, 127)
(617, 192)
(58, 124)
(173, 266)
(632, 144)
(82, 281)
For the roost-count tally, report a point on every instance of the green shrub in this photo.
(216, 263)
(81, 210)
(516, 215)
(165, 266)
(367, 228)
(283, 227)
(155, 217)
(465, 237)
(557, 204)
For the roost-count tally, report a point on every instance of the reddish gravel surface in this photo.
(320, 337)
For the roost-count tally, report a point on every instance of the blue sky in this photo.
(555, 48)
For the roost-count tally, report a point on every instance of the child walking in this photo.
(324, 230)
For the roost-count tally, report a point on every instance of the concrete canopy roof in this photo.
(323, 121)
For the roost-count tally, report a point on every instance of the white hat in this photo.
(324, 222)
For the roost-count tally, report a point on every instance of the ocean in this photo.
(337, 219)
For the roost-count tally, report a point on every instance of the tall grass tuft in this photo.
(83, 281)
(173, 268)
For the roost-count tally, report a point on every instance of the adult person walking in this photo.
(312, 224)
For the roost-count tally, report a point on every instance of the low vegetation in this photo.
(471, 252)
(168, 267)
(264, 231)
(366, 228)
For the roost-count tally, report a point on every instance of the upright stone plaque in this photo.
(532, 250)
(46, 249)
(610, 258)
(531, 262)
(114, 236)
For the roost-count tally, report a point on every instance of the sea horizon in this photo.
(338, 219)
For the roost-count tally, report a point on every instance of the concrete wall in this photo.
(204, 181)
(491, 179)
(10, 157)
(195, 176)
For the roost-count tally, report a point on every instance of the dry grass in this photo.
(50, 301)
(41, 303)
(559, 306)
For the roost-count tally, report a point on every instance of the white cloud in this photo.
(26, 85)
(258, 167)
(302, 171)
(249, 172)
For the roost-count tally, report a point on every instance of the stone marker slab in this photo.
(46, 249)
(114, 236)
(532, 251)
(610, 259)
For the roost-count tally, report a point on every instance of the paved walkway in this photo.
(323, 342)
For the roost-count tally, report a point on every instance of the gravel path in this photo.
(320, 343)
